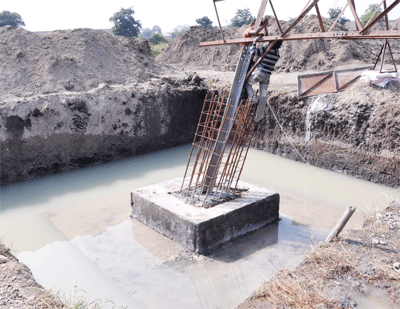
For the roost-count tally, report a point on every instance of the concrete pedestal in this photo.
(203, 229)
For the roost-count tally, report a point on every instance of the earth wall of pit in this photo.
(356, 132)
(52, 133)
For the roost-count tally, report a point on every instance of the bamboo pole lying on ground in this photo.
(341, 224)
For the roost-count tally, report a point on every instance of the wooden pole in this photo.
(341, 224)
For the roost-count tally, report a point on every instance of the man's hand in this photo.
(246, 33)
(257, 38)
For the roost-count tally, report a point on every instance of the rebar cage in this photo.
(198, 187)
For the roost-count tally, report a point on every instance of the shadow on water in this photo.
(248, 244)
(33, 192)
(294, 222)
(280, 230)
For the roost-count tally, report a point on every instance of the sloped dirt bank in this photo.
(18, 288)
(356, 132)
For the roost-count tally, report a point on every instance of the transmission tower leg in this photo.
(223, 134)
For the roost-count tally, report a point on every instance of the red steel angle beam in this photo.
(304, 13)
(219, 23)
(386, 17)
(276, 17)
(373, 14)
(338, 17)
(354, 35)
(260, 14)
(321, 24)
(353, 11)
(395, 24)
(260, 59)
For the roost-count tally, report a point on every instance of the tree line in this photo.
(124, 23)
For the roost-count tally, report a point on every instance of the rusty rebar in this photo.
(214, 114)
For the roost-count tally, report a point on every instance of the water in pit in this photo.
(73, 231)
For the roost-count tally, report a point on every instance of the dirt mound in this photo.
(305, 55)
(184, 51)
(328, 53)
(74, 60)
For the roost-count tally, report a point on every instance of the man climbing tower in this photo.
(263, 72)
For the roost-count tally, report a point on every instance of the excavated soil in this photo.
(296, 56)
(356, 132)
(74, 98)
(71, 60)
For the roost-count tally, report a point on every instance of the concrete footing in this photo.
(203, 229)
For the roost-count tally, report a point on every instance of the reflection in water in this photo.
(123, 258)
(314, 196)
(101, 189)
(222, 280)
(236, 270)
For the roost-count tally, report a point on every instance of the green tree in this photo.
(146, 33)
(178, 30)
(156, 29)
(125, 24)
(242, 17)
(334, 13)
(12, 19)
(368, 13)
(204, 22)
(157, 38)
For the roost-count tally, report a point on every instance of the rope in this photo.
(287, 136)
(304, 159)
(294, 147)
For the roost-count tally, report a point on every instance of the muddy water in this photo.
(73, 230)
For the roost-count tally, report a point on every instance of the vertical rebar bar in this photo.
(215, 112)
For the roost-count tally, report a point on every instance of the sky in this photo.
(48, 15)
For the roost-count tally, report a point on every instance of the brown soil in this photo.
(355, 132)
(305, 55)
(72, 60)
(360, 269)
(75, 98)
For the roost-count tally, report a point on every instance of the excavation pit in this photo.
(203, 229)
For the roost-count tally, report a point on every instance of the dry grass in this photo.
(309, 285)
(291, 289)
(39, 297)
(49, 299)
(46, 299)
(4, 250)
(336, 261)
(156, 49)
